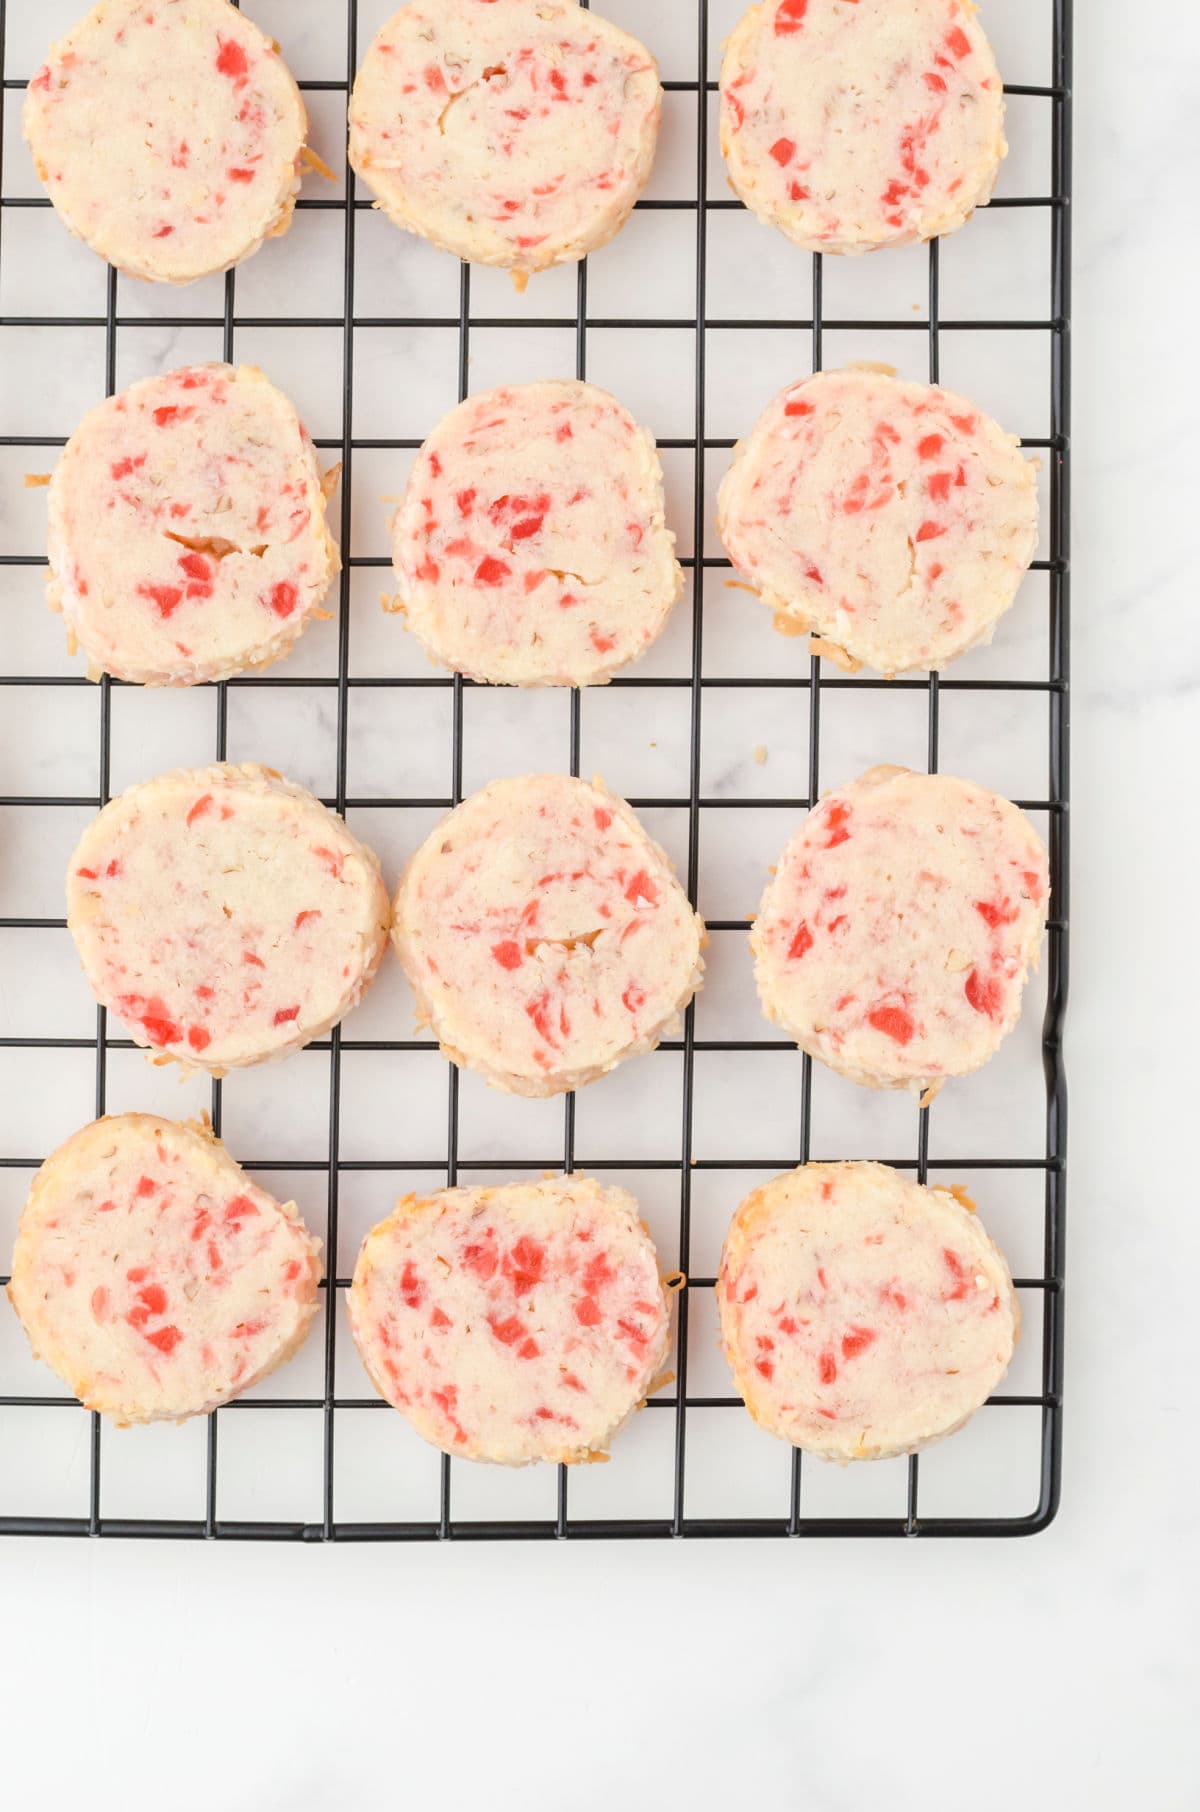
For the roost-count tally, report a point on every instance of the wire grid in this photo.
(791, 1520)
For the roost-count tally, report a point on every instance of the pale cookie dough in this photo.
(508, 133)
(531, 548)
(153, 1276)
(186, 533)
(895, 520)
(856, 124)
(863, 1316)
(545, 936)
(894, 940)
(513, 1324)
(169, 135)
(225, 915)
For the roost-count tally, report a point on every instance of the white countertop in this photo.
(839, 1675)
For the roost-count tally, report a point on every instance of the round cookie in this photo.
(531, 548)
(545, 936)
(894, 939)
(225, 915)
(506, 133)
(855, 126)
(514, 1324)
(186, 531)
(169, 136)
(863, 1316)
(154, 1277)
(895, 520)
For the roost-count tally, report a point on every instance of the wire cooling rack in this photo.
(695, 1464)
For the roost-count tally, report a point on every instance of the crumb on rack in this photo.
(311, 161)
(835, 653)
(760, 753)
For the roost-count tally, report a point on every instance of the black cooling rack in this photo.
(791, 1518)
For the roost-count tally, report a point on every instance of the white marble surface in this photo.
(1059, 1670)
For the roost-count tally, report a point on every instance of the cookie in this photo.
(225, 915)
(894, 938)
(862, 1315)
(856, 124)
(187, 534)
(169, 136)
(153, 1276)
(514, 1324)
(545, 936)
(531, 548)
(507, 133)
(894, 520)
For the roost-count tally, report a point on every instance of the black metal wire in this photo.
(677, 1521)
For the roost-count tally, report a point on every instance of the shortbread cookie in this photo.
(169, 136)
(154, 1277)
(855, 124)
(225, 915)
(514, 1324)
(545, 936)
(506, 132)
(896, 520)
(863, 1316)
(187, 533)
(531, 548)
(894, 939)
